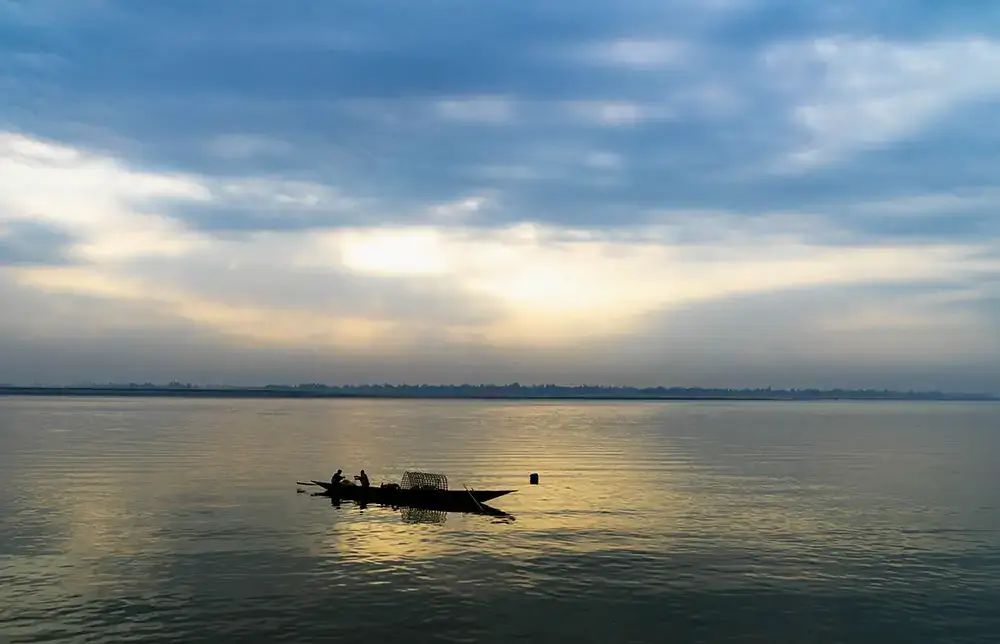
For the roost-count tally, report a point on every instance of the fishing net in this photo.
(423, 481)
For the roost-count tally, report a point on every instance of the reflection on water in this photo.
(423, 515)
(178, 521)
(426, 513)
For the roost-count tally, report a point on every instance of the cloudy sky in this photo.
(678, 192)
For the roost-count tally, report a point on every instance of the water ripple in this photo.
(177, 521)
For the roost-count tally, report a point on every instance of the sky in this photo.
(679, 192)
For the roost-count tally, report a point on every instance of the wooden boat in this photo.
(418, 490)
(400, 496)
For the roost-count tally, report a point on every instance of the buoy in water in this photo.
(533, 479)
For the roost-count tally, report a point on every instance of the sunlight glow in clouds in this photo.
(400, 252)
(553, 286)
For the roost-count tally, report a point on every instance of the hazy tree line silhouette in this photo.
(512, 390)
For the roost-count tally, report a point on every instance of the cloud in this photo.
(29, 242)
(863, 334)
(616, 113)
(856, 94)
(92, 198)
(636, 54)
(495, 110)
(525, 287)
(603, 160)
(957, 203)
(123, 211)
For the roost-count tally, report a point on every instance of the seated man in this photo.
(337, 477)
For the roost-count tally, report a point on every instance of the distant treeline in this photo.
(510, 391)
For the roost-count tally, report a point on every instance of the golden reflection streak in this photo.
(98, 543)
(567, 513)
(600, 465)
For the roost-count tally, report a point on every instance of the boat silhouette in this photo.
(418, 490)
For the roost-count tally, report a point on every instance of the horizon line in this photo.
(522, 390)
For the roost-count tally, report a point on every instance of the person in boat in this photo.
(363, 478)
(337, 477)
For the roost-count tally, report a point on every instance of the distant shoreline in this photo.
(488, 393)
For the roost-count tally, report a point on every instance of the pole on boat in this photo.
(474, 499)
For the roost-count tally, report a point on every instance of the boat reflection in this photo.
(426, 511)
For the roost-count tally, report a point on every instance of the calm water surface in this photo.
(179, 521)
